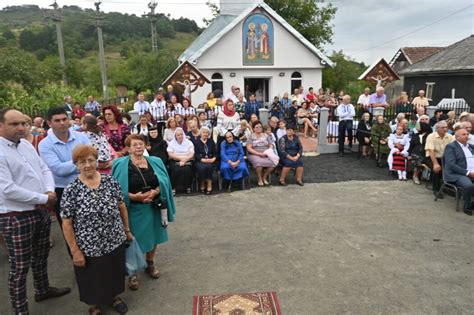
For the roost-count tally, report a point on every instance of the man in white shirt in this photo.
(346, 113)
(158, 108)
(26, 192)
(141, 106)
(420, 100)
(363, 100)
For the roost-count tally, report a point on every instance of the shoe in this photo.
(119, 306)
(468, 211)
(133, 283)
(341, 154)
(52, 293)
(188, 190)
(440, 195)
(299, 183)
(282, 183)
(416, 180)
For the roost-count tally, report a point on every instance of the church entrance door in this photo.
(258, 86)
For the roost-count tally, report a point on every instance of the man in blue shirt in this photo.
(56, 151)
(252, 108)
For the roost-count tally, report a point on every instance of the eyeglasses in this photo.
(86, 162)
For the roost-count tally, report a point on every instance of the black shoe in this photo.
(119, 306)
(300, 183)
(468, 211)
(52, 293)
(439, 195)
(341, 154)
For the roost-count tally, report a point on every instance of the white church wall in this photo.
(278, 85)
(288, 52)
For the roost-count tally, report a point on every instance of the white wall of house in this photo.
(278, 85)
(290, 55)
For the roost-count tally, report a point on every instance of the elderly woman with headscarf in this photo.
(227, 120)
(233, 166)
(205, 154)
(147, 193)
(181, 156)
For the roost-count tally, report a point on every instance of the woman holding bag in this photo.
(147, 191)
(95, 226)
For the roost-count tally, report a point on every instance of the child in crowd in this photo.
(281, 129)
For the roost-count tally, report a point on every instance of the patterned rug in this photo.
(265, 303)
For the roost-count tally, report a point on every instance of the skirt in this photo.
(290, 163)
(103, 278)
(204, 170)
(258, 161)
(398, 163)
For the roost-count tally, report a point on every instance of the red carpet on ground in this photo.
(239, 304)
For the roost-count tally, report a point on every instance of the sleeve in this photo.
(117, 189)
(14, 192)
(450, 162)
(241, 152)
(68, 205)
(236, 130)
(353, 113)
(390, 142)
(371, 100)
(191, 148)
(220, 121)
(282, 148)
(359, 100)
(125, 132)
(47, 176)
(429, 142)
(51, 159)
(224, 156)
(136, 107)
(300, 146)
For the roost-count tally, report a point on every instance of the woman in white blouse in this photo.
(181, 156)
(227, 120)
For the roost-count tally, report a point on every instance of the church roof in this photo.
(223, 24)
(455, 58)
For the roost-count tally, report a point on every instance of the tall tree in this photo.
(309, 17)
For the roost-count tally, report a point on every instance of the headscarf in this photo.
(178, 148)
(227, 111)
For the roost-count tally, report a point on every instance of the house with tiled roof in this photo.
(251, 46)
(447, 69)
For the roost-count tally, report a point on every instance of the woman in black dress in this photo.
(205, 158)
(156, 145)
(363, 134)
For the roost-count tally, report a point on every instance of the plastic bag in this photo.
(134, 260)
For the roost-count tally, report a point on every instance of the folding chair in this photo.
(458, 191)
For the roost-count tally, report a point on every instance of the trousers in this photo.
(27, 239)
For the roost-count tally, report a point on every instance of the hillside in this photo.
(29, 61)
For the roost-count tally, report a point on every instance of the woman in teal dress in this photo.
(145, 184)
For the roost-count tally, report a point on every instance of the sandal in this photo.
(133, 283)
(208, 192)
(260, 184)
(119, 306)
(152, 271)
(283, 183)
(300, 183)
(95, 310)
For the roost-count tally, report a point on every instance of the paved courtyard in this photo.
(358, 247)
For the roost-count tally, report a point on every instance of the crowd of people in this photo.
(109, 180)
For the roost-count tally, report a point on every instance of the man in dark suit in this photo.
(459, 166)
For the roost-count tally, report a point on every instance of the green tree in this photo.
(313, 21)
(344, 75)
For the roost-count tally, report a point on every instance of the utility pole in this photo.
(103, 69)
(153, 17)
(57, 18)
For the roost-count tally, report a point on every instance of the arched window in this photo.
(296, 81)
(217, 83)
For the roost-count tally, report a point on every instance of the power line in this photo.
(415, 30)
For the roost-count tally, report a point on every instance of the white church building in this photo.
(250, 46)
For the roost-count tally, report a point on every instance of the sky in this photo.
(364, 29)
